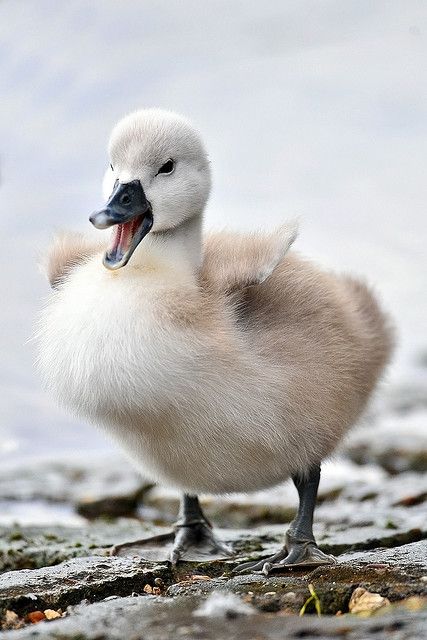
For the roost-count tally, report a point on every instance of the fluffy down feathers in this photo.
(232, 261)
(209, 391)
(67, 251)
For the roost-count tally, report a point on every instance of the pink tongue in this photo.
(123, 234)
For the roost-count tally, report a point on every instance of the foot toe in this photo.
(309, 555)
(175, 555)
(223, 548)
(253, 565)
(268, 566)
(298, 555)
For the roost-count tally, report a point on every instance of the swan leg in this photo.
(193, 533)
(193, 529)
(300, 548)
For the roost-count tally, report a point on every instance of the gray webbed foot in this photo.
(193, 539)
(126, 547)
(197, 536)
(300, 548)
(297, 552)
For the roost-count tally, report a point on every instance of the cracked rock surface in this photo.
(58, 520)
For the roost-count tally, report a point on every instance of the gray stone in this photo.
(165, 619)
(35, 547)
(395, 435)
(374, 523)
(70, 480)
(412, 557)
(91, 578)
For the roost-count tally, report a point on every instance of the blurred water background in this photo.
(310, 109)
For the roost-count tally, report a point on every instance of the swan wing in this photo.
(232, 261)
(67, 250)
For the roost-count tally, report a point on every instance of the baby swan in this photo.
(220, 364)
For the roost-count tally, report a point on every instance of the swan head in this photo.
(158, 178)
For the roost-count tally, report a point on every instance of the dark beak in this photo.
(129, 209)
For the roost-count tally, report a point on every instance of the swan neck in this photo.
(184, 241)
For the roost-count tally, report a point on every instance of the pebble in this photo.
(35, 616)
(51, 614)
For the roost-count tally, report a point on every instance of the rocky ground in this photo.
(60, 518)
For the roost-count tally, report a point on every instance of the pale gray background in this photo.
(315, 109)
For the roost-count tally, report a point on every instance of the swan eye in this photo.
(168, 167)
(111, 167)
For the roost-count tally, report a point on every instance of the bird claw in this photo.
(295, 553)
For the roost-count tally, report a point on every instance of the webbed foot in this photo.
(197, 537)
(194, 541)
(132, 548)
(296, 552)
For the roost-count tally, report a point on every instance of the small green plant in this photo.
(313, 598)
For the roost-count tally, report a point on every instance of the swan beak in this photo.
(130, 212)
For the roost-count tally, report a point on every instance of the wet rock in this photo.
(334, 584)
(397, 442)
(91, 578)
(112, 506)
(163, 619)
(266, 593)
(388, 513)
(408, 557)
(360, 509)
(71, 481)
(36, 547)
(394, 435)
(341, 526)
(396, 574)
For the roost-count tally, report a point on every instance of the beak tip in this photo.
(112, 265)
(100, 219)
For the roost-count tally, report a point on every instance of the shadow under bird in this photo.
(219, 362)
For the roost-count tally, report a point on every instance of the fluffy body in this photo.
(219, 365)
(208, 390)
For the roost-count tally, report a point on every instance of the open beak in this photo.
(130, 211)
